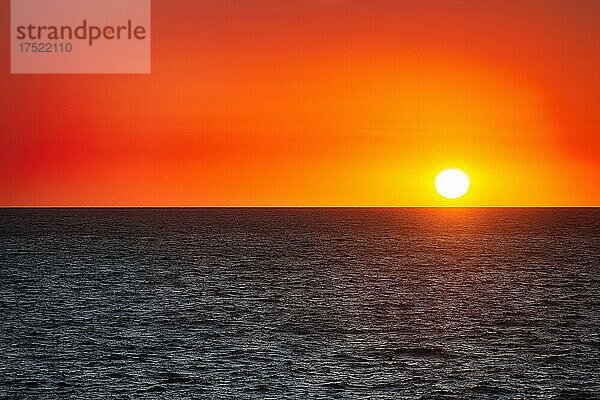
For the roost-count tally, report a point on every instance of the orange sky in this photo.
(319, 102)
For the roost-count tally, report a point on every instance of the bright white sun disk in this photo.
(452, 183)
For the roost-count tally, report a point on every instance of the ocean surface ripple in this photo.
(300, 303)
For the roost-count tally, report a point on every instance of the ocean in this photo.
(300, 303)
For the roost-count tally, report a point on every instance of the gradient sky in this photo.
(319, 102)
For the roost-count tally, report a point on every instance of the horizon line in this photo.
(278, 207)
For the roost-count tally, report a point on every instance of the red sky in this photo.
(319, 102)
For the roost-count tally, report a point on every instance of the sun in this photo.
(452, 183)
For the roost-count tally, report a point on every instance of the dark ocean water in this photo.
(300, 303)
